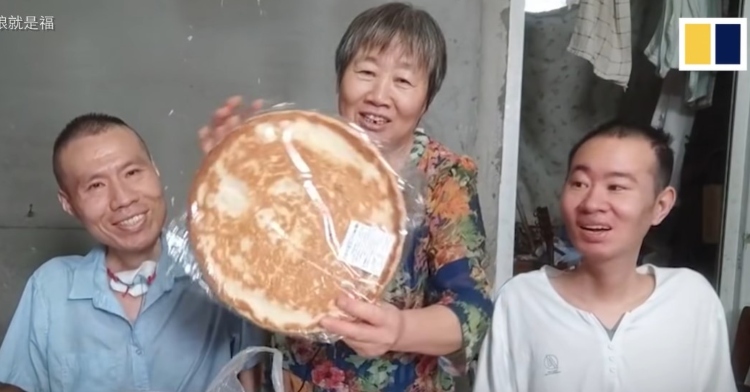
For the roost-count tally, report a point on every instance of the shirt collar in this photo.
(90, 276)
(419, 145)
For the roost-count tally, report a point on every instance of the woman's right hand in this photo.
(225, 120)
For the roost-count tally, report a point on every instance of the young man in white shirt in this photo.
(609, 325)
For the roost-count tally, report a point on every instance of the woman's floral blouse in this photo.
(443, 267)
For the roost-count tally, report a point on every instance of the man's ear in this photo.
(62, 197)
(664, 203)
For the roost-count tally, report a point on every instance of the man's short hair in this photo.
(89, 124)
(658, 139)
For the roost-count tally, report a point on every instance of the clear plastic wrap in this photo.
(227, 380)
(291, 210)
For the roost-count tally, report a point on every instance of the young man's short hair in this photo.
(660, 143)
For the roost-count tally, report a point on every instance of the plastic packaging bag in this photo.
(291, 210)
(227, 380)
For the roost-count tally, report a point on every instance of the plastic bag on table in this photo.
(292, 209)
(227, 380)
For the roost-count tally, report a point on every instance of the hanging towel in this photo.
(602, 37)
(664, 49)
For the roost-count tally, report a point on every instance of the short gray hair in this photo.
(381, 26)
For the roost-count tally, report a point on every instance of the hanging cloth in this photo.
(676, 118)
(664, 49)
(602, 37)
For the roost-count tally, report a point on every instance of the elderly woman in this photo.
(390, 64)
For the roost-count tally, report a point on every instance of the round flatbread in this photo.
(291, 210)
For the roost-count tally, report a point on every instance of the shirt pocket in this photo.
(90, 372)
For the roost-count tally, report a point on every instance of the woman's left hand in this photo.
(375, 331)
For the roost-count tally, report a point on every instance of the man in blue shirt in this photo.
(114, 319)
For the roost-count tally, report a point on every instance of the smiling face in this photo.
(610, 199)
(385, 93)
(112, 186)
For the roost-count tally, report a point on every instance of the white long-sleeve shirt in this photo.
(675, 341)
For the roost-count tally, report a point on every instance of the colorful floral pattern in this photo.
(445, 267)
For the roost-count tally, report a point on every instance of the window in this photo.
(535, 6)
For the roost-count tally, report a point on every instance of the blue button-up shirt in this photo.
(69, 333)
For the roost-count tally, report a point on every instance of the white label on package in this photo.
(366, 247)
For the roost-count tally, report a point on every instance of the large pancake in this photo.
(271, 203)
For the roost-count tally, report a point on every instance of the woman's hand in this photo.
(376, 331)
(224, 121)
